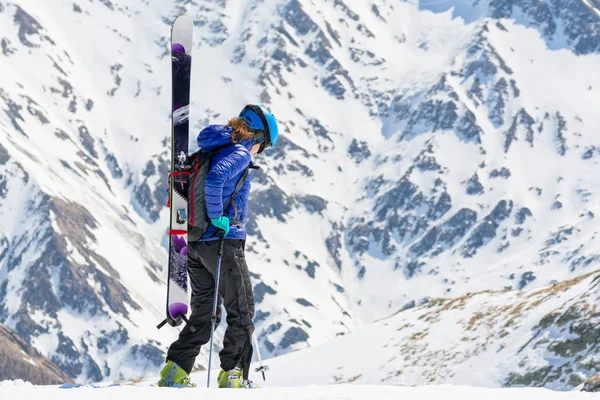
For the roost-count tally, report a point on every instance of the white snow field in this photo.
(24, 391)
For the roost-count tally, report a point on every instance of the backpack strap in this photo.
(201, 153)
(231, 201)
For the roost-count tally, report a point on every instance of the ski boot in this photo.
(172, 375)
(248, 384)
(234, 379)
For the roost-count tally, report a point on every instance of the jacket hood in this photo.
(214, 136)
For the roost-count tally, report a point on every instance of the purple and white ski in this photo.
(181, 62)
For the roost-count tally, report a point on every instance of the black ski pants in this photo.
(235, 292)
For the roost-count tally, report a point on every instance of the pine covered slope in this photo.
(427, 151)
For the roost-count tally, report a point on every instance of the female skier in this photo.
(252, 132)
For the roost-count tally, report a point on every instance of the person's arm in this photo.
(223, 171)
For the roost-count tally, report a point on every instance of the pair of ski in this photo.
(181, 65)
(177, 284)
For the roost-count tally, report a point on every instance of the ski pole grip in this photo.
(221, 242)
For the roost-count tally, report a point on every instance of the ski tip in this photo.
(177, 47)
(177, 308)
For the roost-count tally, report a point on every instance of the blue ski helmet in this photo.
(262, 121)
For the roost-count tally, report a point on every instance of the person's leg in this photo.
(187, 347)
(248, 283)
(239, 303)
(236, 291)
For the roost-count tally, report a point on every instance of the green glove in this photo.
(221, 223)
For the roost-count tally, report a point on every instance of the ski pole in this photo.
(262, 367)
(215, 302)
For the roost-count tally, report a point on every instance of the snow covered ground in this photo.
(24, 391)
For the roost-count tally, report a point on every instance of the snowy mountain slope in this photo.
(544, 337)
(571, 24)
(536, 337)
(519, 205)
(81, 278)
(419, 213)
(421, 156)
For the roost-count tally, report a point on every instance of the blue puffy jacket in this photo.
(226, 168)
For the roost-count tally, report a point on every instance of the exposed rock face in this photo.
(19, 360)
(592, 384)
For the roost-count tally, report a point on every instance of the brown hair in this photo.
(241, 130)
